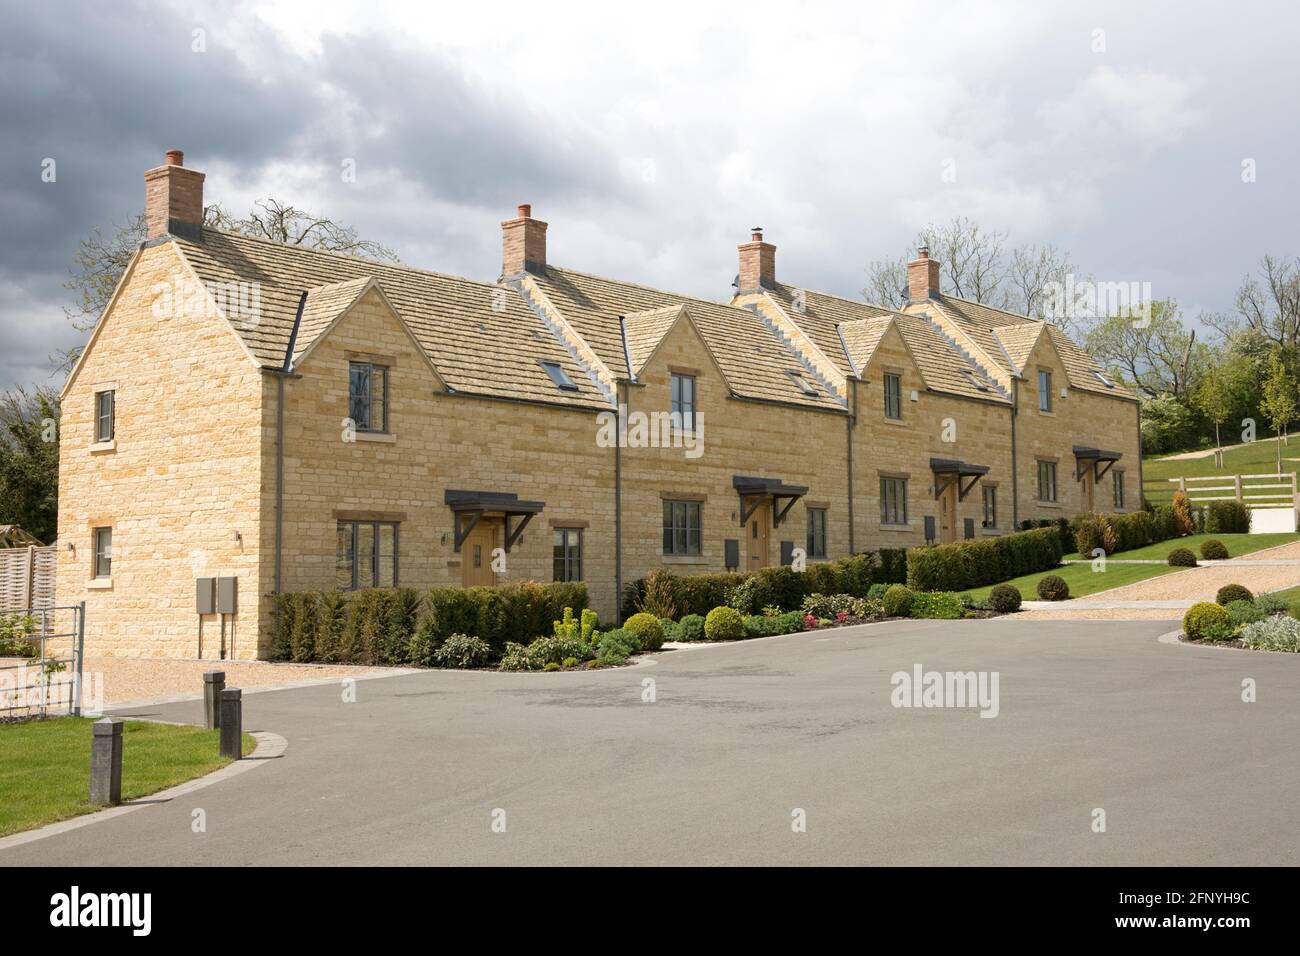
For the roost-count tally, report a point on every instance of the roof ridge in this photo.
(360, 260)
(647, 288)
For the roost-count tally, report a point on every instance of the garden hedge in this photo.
(401, 625)
(971, 564)
(778, 586)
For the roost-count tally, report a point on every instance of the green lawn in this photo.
(45, 771)
(1257, 458)
(1083, 580)
(1237, 545)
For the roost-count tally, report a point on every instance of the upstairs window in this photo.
(1044, 390)
(104, 415)
(559, 376)
(893, 396)
(683, 400)
(368, 396)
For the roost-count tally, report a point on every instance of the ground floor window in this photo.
(1119, 488)
(568, 554)
(1047, 481)
(893, 501)
(682, 528)
(366, 555)
(990, 506)
(103, 559)
(816, 532)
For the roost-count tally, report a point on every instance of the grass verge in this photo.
(1237, 545)
(45, 773)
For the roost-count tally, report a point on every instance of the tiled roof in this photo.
(645, 330)
(753, 360)
(1008, 338)
(490, 338)
(481, 337)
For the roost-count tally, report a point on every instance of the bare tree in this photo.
(1267, 304)
(280, 222)
(977, 265)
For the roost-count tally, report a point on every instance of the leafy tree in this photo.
(1218, 390)
(1278, 405)
(29, 461)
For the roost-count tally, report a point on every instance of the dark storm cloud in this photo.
(104, 97)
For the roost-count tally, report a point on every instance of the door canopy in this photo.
(754, 491)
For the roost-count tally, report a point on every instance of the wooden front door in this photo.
(476, 555)
(756, 536)
(948, 513)
(1089, 484)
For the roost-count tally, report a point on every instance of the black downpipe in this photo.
(1015, 481)
(285, 369)
(621, 396)
(849, 426)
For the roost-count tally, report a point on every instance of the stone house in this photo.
(250, 417)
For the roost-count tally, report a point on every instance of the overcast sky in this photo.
(652, 137)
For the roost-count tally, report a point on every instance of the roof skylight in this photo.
(559, 376)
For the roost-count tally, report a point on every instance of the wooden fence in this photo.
(27, 578)
(1275, 491)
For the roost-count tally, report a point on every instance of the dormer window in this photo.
(559, 376)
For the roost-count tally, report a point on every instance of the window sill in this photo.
(893, 421)
(685, 559)
(99, 447)
(1047, 414)
(384, 438)
(1048, 504)
(897, 527)
(99, 584)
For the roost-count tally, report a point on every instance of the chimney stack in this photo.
(922, 277)
(757, 263)
(173, 199)
(523, 244)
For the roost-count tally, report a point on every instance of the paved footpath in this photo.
(739, 737)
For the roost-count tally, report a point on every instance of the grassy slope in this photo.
(1257, 458)
(45, 773)
(1083, 580)
(1237, 545)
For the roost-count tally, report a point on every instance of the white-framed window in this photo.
(102, 560)
(105, 415)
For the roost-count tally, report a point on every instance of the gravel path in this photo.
(131, 679)
(1261, 571)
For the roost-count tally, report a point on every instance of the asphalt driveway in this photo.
(740, 737)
